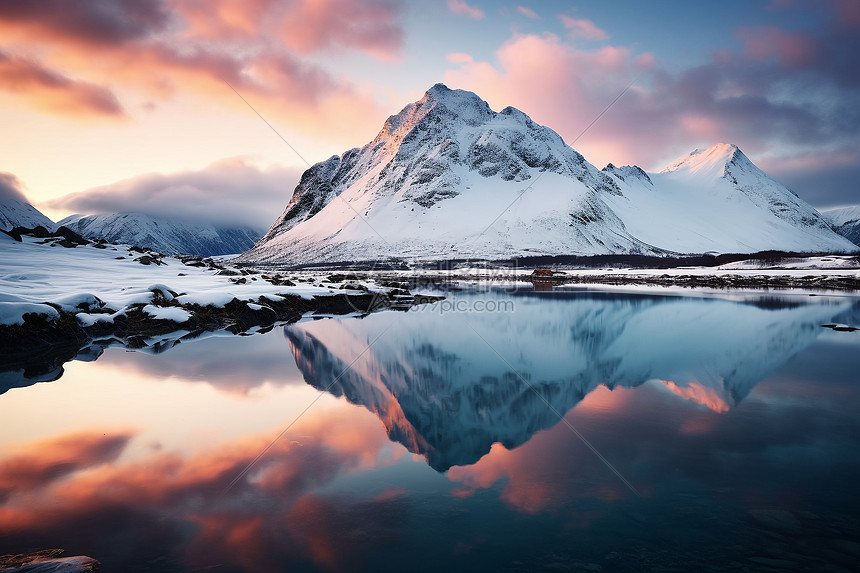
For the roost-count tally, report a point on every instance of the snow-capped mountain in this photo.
(168, 236)
(716, 199)
(845, 221)
(444, 392)
(448, 177)
(17, 213)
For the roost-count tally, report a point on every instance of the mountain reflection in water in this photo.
(449, 394)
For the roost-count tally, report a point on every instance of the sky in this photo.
(209, 107)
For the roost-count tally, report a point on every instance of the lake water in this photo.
(698, 433)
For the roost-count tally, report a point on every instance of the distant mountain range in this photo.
(846, 222)
(168, 236)
(165, 235)
(448, 177)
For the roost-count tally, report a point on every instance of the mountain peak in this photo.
(459, 102)
(711, 161)
(438, 90)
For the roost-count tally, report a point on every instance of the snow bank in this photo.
(14, 312)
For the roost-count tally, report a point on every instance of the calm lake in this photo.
(497, 431)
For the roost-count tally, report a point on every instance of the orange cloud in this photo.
(44, 462)
(699, 394)
(51, 91)
(155, 54)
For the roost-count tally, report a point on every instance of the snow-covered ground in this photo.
(86, 279)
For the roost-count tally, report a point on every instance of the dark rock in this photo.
(70, 236)
(339, 278)
(14, 236)
(148, 260)
(280, 281)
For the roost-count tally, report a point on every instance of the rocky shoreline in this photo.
(36, 349)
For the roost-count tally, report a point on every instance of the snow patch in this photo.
(174, 313)
(13, 312)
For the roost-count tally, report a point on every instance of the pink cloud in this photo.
(561, 87)
(848, 14)
(460, 58)
(528, 12)
(460, 7)
(318, 25)
(583, 28)
(790, 49)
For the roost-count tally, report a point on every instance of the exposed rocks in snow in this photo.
(63, 236)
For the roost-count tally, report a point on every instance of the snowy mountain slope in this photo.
(716, 199)
(16, 213)
(444, 393)
(448, 177)
(845, 221)
(434, 180)
(166, 236)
